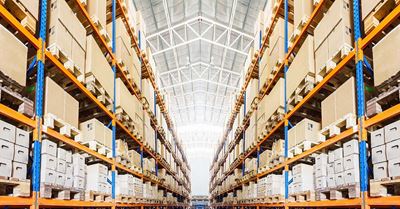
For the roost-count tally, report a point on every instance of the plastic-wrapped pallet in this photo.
(124, 185)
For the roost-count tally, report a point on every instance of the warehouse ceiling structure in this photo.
(199, 48)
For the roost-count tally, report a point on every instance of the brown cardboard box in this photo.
(98, 65)
(92, 130)
(275, 99)
(302, 11)
(367, 6)
(265, 157)
(13, 57)
(32, 6)
(71, 110)
(107, 137)
(386, 64)
(251, 93)
(78, 56)
(124, 99)
(302, 66)
(328, 110)
(306, 130)
(264, 72)
(97, 10)
(53, 95)
(321, 55)
(59, 36)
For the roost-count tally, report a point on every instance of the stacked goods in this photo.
(351, 162)
(98, 71)
(386, 65)
(64, 168)
(66, 36)
(302, 12)
(141, 29)
(59, 105)
(48, 162)
(339, 107)
(13, 57)
(303, 178)
(148, 94)
(94, 132)
(125, 54)
(149, 164)
(250, 165)
(249, 60)
(321, 173)
(96, 178)
(385, 143)
(14, 145)
(79, 170)
(274, 185)
(26, 11)
(265, 159)
(129, 107)
(148, 131)
(251, 94)
(134, 158)
(278, 150)
(270, 109)
(276, 51)
(373, 12)
(261, 187)
(332, 44)
(137, 187)
(251, 132)
(125, 185)
(301, 73)
(121, 148)
(97, 11)
(303, 135)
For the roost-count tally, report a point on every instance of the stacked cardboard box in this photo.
(386, 65)
(134, 158)
(67, 34)
(79, 170)
(385, 143)
(321, 171)
(13, 57)
(339, 104)
(303, 178)
(97, 11)
(304, 131)
(148, 93)
(251, 132)
(141, 29)
(67, 110)
(265, 158)
(271, 104)
(278, 148)
(138, 187)
(125, 185)
(149, 164)
(14, 153)
(274, 185)
(302, 12)
(94, 130)
(121, 148)
(333, 33)
(96, 178)
(251, 93)
(371, 12)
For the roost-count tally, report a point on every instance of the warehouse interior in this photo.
(199, 104)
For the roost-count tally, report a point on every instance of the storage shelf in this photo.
(10, 113)
(381, 117)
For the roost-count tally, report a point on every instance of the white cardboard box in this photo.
(381, 170)
(394, 167)
(392, 131)
(393, 149)
(7, 131)
(331, 169)
(321, 182)
(378, 137)
(378, 154)
(351, 162)
(69, 169)
(331, 181)
(69, 181)
(19, 170)
(339, 179)
(6, 149)
(350, 147)
(22, 137)
(61, 153)
(352, 176)
(97, 169)
(68, 156)
(339, 168)
(49, 147)
(331, 156)
(48, 162)
(321, 170)
(61, 166)
(321, 159)
(21, 154)
(338, 153)
(5, 167)
(79, 182)
(48, 176)
(60, 179)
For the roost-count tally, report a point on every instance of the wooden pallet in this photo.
(301, 147)
(275, 199)
(333, 61)
(378, 14)
(341, 192)
(67, 62)
(27, 20)
(94, 86)
(298, 29)
(98, 147)
(124, 199)
(385, 100)
(54, 122)
(121, 160)
(49, 191)
(306, 85)
(275, 118)
(14, 187)
(347, 121)
(277, 160)
(305, 196)
(385, 187)
(102, 30)
(94, 196)
(10, 97)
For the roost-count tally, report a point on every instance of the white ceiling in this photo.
(199, 48)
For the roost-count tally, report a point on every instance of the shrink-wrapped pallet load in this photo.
(13, 57)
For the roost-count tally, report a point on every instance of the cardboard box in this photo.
(275, 99)
(79, 182)
(378, 154)
(21, 154)
(351, 162)
(302, 11)
(13, 57)
(49, 147)
(392, 131)
(386, 64)
(380, 170)
(302, 69)
(48, 162)
(61, 166)
(98, 66)
(69, 169)
(6, 150)
(305, 130)
(339, 179)
(392, 149)
(5, 167)
(19, 170)
(339, 167)
(378, 137)
(352, 176)
(69, 181)
(22, 138)
(94, 130)
(97, 11)
(350, 147)
(126, 101)
(7, 131)
(48, 176)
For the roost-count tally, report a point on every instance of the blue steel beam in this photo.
(286, 45)
(114, 129)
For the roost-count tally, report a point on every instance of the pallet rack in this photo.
(363, 123)
(42, 54)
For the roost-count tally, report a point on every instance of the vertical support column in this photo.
(285, 97)
(258, 158)
(37, 133)
(155, 131)
(114, 128)
(141, 158)
(362, 132)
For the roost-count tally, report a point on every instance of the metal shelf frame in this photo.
(360, 131)
(36, 124)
